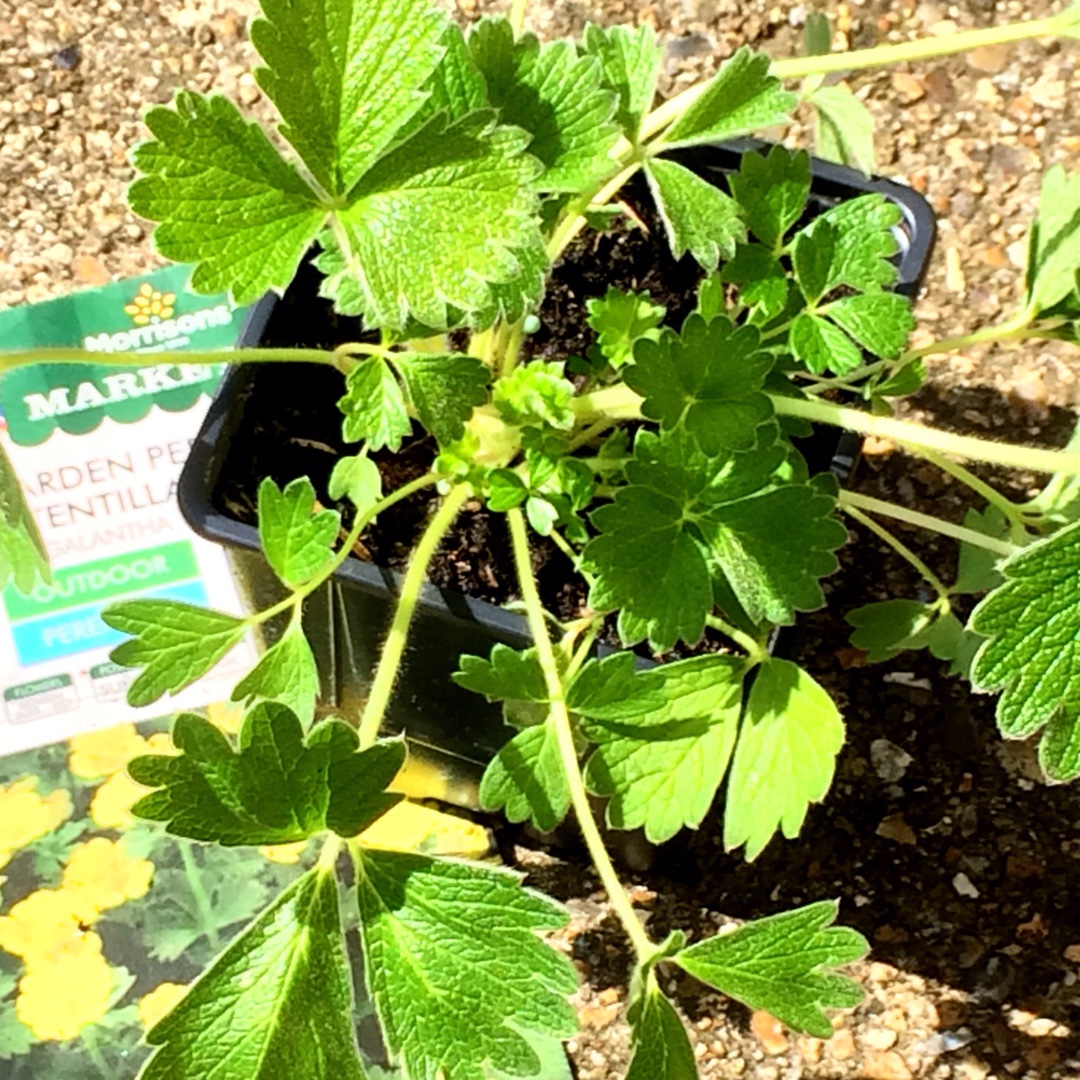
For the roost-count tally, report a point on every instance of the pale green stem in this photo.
(756, 653)
(586, 435)
(511, 347)
(20, 358)
(581, 654)
(573, 217)
(1016, 329)
(918, 438)
(563, 545)
(517, 16)
(899, 547)
(848, 499)
(89, 1038)
(382, 686)
(560, 718)
(800, 67)
(980, 487)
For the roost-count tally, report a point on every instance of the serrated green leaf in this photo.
(536, 395)
(710, 294)
(812, 253)
(864, 243)
(619, 319)
(444, 389)
(526, 779)
(251, 235)
(326, 72)
(784, 759)
(505, 490)
(176, 643)
(707, 378)
(276, 788)
(698, 217)
(555, 95)
(778, 964)
(455, 967)
(661, 1047)
(1054, 247)
(843, 128)
(297, 540)
(904, 381)
(244, 1013)
(509, 675)
(542, 514)
(374, 406)
(660, 770)
(23, 556)
(977, 569)
(356, 478)
(761, 279)
(629, 65)
(611, 688)
(1032, 622)
(879, 322)
(452, 204)
(887, 628)
(772, 191)
(822, 347)
(285, 673)
(740, 98)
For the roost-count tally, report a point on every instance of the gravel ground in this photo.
(943, 843)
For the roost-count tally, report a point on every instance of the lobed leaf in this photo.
(843, 128)
(297, 540)
(356, 478)
(1054, 246)
(250, 1013)
(779, 964)
(250, 237)
(176, 644)
(455, 968)
(863, 243)
(286, 673)
(822, 347)
(276, 787)
(772, 191)
(620, 319)
(509, 674)
(444, 388)
(761, 278)
(629, 65)
(374, 406)
(879, 322)
(526, 779)
(536, 394)
(784, 759)
(661, 1047)
(611, 688)
(23, 556)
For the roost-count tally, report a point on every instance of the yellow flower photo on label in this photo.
(25, 816)
(60, 997)
(46, 924)
(102, 753)
(161, 1001)
(110, 808)
(102, 873)
(286, 854)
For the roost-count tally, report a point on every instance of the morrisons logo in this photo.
(109, 389)
(158, 331)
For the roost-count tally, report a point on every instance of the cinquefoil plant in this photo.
(440, 175)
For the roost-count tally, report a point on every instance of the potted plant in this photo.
(657, 462)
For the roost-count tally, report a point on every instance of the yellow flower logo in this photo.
(102, 753)
(159, 1003)
(150, 306)
(25, 815)
(46, 925)
(59, 997)
(101, 873)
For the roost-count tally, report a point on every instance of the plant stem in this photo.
(511, 347)
(573, 217)
(755, 651)
(560, 717)
(1016, 329)
(89, 1039)
(517, 16)
(800, 67)
(193, 877)
(849, 499)
(994, 497)
(918, 437)
(587, 434)
(19, 358)
(899, 547)
(394, 647)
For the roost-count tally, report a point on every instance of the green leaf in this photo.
(536, 394)
(296, 540)
(778, 964)
(822, 347)
(977, 569)
(812, 253)
(904, 381)
(620, 319)
(817, 34)
(629, 65)
(542, 514)
(880, 322)
(555, 95)
(843, 128)
(661, 1047)
(250, 1014)
(708, 378)
(784, 759)
(285, 673)
(374, 406)
(444, 389)
(176, 643)
(356, 478)
(505, 490)
(455, 967)
(887, 628)
(16, 1038)
(276, 788)
(1032, 622)
(760, 277)
(23, 556)
(740, 98)
(772, 192)
(526, 779)
(509, 675)
(1054, 247)
(452, 204)
(251, 235)
(661, 770)
(611, 688)
(863, 243)
(326, 72)
(698, 217)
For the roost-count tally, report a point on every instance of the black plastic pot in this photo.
(347, 618)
